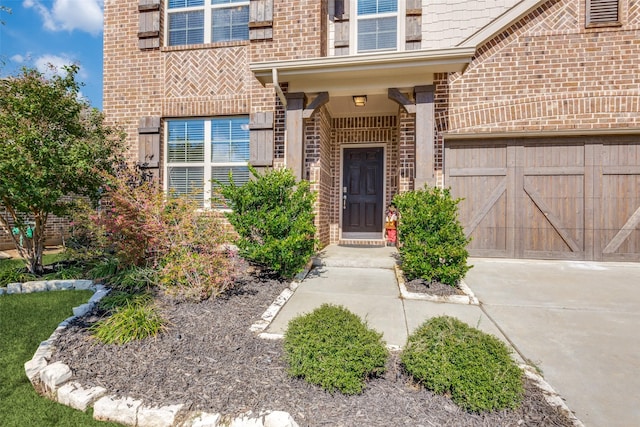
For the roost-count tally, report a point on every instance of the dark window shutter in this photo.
(261, 139)
(149, 142)
(413, 25)
(260, 19)
(341, 27)
(149, 24)
(603, 12)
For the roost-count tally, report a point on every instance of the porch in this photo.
(361, 129)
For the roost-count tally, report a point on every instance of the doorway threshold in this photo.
(362, 239)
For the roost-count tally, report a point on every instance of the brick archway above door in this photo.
(562, 198)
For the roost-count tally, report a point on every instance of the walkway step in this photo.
(357, 256)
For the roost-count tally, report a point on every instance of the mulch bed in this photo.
(420, 286)
(210, 360)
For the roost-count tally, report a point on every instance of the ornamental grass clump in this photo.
(333, 348)
(135, 319)
(433, 246)
(474, 368)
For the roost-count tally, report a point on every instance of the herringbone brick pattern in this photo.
(562, 16)
(634, 12)
(546, 73)
(206, 72)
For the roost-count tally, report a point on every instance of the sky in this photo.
(57, 32)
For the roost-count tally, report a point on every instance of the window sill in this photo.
(219, 45)
(603, 25)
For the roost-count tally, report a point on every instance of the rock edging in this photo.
(550, 395)
(55, 380)
(275, 307)
(47, 285)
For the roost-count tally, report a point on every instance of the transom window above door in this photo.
(378, 27)
(206, 21)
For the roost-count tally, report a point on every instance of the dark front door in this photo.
(362, 190)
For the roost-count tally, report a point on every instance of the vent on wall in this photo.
(602, 12)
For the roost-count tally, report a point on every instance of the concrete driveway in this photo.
(579, 322)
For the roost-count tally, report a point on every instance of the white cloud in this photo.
(18, 58)
(69, 15)
(53, 64)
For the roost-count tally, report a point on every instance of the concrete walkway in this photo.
(577, 321)
(363, 280)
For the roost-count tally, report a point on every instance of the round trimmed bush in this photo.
(476, 369)
(333, 348)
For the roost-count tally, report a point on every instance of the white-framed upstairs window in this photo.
(206, 21)
(201, 150)
(379, 25)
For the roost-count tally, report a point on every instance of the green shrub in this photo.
(433, 243)
(448, 356)
(273, 215)
(134, 321)
(332, 347)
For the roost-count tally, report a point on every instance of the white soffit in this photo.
(370, 74)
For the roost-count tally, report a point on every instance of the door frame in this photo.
(341, 180)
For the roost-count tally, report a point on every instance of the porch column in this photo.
(294, 145)
(425, 136)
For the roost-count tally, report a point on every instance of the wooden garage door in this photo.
(554, 198)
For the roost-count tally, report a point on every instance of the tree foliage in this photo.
(52, 144)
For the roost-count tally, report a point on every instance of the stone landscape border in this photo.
(55, 380)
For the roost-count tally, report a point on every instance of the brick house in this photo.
(528, 109)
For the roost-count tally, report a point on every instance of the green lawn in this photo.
(25, 321)
(16, 262)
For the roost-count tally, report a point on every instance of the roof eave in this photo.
(501, 23)
(441, 60)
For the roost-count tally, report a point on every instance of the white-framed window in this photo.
(206, 21)
(201, 150)
(379, 25)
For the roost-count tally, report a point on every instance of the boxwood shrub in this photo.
(333, 348)
(476, 369)
(433, 246)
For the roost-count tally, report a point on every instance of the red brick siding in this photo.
(362, 130)
(406, 151)
(318, 168)
(200, 80)
(548, 73)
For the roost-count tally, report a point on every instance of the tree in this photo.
(4, 9)
(52, 145)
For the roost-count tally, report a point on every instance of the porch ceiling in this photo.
(363, 74)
